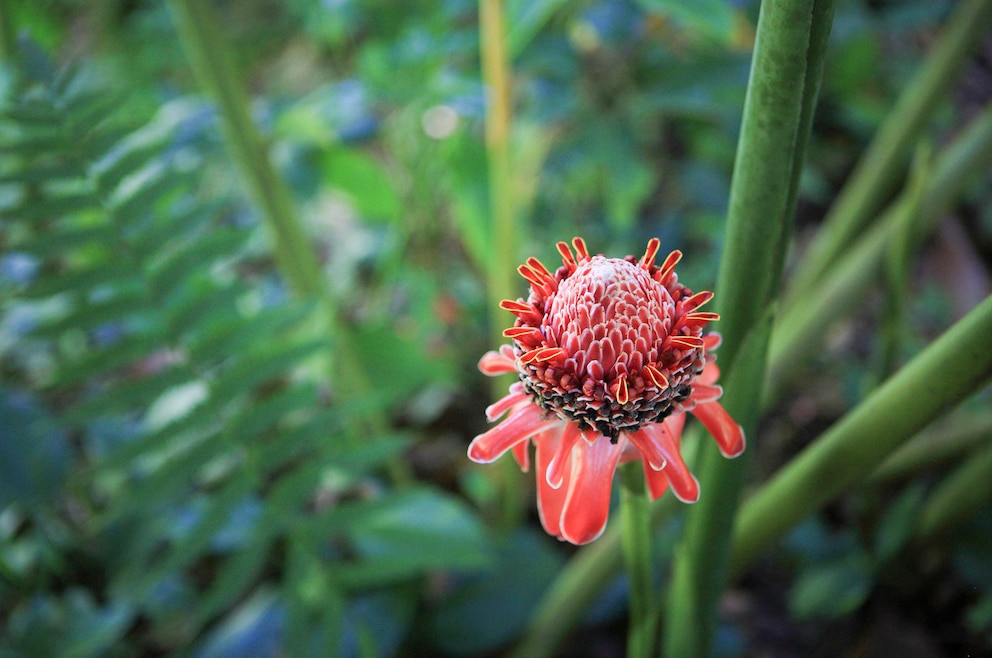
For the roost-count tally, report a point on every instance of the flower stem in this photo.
(782, 89)
(922, 391)
(635, 519)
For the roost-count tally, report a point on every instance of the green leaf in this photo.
(34, 451)
(128, 395)
(405, 534)
(262, 365)
(832, 590)
(368, 188)
(899, 522)
(710, 19)
(485, 611)
(236, 333)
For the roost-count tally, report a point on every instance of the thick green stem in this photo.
(883, 163)
(635, 519)
(918, 394)
(787, 64)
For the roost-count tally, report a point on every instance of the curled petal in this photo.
(702, 393)
(728, 434)
(520, 426)
(712, 340)
(522, 455)
(516, 396)
(684, 485)
(649, 448)
(590, 482)
(497, 363)
(555, 473)
(657, 481)
(550, 500)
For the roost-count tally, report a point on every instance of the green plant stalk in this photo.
(801, 325)
(504, 232)
(878, 171)
(922, 391)
(957, 498)
(635, 521)
(212, 63)
(200, 33)
(762, 198)
(897, 267)
(935, 447)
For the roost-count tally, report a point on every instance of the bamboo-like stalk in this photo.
(935, 447)
(922, 391)
(880, 168)
(787, 63)
(957, 498)
(802, 325)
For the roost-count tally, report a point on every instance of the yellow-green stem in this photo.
(504, 233)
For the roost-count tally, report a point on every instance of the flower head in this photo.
(610, 353)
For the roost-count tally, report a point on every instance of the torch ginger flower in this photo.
(610, 354)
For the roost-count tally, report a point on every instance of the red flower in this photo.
(611, 354)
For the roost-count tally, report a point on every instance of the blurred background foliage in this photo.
(180, 475)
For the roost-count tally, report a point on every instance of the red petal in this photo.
(647, 445)
(709, 375)
(647, 260)
(558, 466)
(501, 406)
(587, 504)
(657, 481)
(684, 485)
(702, 393)
(712, 340)
(496, 363)
(522, 455)
(550, 500)
(520, 426)
(728, 434)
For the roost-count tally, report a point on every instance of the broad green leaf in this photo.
(709, 19)
(34, 451)
(832, 590)
(405, 534)
(487, 610)
(261, 365)
(368, 188)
